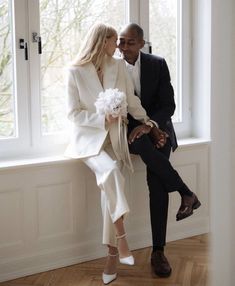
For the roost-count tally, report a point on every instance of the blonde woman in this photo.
(94, 138)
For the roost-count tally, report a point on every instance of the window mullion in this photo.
(22, 74)
(134, 11)
(184, 32)
(144, 17)
(35, 100)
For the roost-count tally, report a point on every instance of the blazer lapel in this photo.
(145, 78)
(110, 72)
(91, 79)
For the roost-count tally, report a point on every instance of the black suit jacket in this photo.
(157, 94)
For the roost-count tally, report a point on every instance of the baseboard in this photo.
(188, 228)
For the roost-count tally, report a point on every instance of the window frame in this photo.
(29, 140)
(41, 143)
(184, 69)
(10, 146)
(184, 58)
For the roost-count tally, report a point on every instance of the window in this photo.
(32, 102)
(168, 28)
(63, 25)
(163, 37)
(38, 39)
(7, 100)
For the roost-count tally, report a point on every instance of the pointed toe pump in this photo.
(128, 260)
(108, 278)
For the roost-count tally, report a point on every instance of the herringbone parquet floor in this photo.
(189, 259)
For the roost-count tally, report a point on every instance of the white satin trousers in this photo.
(111, 182)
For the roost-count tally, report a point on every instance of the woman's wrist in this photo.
(150, 124)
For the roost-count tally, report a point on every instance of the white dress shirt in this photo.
(134, 72)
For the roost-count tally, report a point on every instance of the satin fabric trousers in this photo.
(111, 182)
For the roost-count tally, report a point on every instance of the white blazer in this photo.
(88, 128)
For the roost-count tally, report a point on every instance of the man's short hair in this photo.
(137, 28)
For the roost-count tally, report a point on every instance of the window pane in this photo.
(7, 125)
(163, 35)
(63, 25)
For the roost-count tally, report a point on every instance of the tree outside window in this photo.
(64, 25)
(7, 126)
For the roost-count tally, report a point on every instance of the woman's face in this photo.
(111, 45)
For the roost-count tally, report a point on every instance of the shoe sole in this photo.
(195, 206)
(109, 282)
(161, 275)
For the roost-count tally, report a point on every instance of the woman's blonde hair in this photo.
(92, 50)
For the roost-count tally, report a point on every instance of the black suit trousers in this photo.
(162, 178)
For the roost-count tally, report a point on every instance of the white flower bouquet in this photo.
(112, 102)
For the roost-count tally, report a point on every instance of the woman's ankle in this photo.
(111, 264)
(123, 248)
(112, 251)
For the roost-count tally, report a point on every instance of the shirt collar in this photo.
(137, 63)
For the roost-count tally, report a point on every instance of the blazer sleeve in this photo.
(75, 113)
(166, 100)
(134, 105)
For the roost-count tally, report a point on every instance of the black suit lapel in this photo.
(145, 78)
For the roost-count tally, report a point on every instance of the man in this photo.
(152, 84)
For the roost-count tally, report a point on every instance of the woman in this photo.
(94, 138)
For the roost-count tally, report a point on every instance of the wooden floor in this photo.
(188, 258)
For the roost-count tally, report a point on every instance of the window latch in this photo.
(149, 46)
(24, 45)
(37, 39)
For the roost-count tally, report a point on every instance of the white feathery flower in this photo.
(111, 102)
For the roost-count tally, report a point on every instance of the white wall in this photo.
(50, 213)
(201, 68)
(232, 239)
(222, 147)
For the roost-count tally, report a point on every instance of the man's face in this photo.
(130, 45)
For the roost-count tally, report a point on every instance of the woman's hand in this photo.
(110, 119)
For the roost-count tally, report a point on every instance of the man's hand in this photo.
(158, 137)
(138, 131)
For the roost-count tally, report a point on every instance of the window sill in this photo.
(189, 142)
(60, 159)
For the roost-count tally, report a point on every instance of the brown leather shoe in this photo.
(160, 264)
(188, 204)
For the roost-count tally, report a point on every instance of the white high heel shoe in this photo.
(129, 260)
(108, 278)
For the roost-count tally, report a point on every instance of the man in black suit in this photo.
(153, 142)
